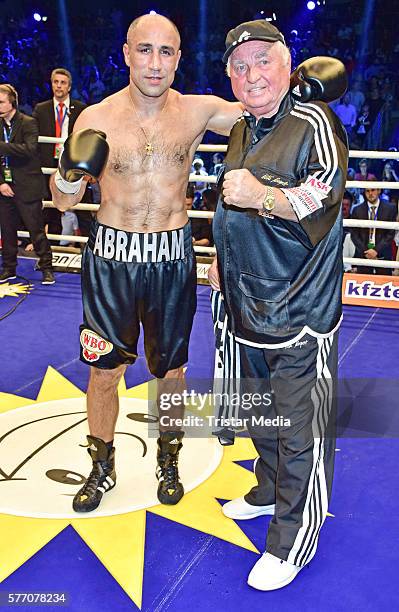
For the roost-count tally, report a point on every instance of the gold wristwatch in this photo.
(268, 202)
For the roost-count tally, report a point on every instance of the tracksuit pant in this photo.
(296, 455)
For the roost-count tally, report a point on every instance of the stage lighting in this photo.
(311, 5)
(44, 18)
(37, 17)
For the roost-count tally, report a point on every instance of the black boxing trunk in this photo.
(131, 278)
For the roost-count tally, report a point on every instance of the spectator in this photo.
(347, 113)
(198, 168)
(396, 238)
(372, 243)
(95, 87)
(348, 248)
(209, 202)
(355, 193)
(364, 174)
(363, 124)
(217, 161)
(21, 186)
(356, 96)
(70, 227)
(56, 117)
(389, 175)
(375, 101)
(200, 228)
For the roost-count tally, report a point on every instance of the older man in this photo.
(278, 233)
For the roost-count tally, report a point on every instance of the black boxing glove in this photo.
(85, 154)
(319, 78)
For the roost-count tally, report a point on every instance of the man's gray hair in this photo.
(63, 71)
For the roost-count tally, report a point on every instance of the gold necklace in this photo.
(149, 147)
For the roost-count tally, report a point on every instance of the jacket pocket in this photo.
(264, 303)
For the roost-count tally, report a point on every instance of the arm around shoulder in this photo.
(222, 114)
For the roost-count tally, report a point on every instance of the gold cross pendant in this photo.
(149, 149)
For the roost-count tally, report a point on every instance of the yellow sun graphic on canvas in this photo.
(14, 289)
(40, 460)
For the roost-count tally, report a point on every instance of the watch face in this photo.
(269, 201)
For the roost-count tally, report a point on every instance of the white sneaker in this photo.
(270, 573)
(241, 510)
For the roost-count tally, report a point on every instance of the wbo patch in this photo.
(93, 345)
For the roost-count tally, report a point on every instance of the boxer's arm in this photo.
(65, 201)
(90, 117)
(220, 114)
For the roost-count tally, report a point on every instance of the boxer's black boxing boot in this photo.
(170, 489)
(101, 479)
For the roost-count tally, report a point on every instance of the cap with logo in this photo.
(260, 29)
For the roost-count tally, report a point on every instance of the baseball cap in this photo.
(260, 29)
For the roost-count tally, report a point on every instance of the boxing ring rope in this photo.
(209, 214)
(222, 148)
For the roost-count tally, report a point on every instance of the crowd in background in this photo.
(30, 51)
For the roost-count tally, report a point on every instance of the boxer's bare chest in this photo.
(144, 183)
(166, 146)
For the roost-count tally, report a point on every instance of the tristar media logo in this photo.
(93, 345)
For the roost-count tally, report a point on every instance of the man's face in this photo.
(363, 168)
(260, 76)
(189, 203)
(372, 195)
(152, 54)
(346, 208)
(61, 86)
(6, 108)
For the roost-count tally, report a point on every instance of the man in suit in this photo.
(21, 186)
(56, 117)
(372, 243)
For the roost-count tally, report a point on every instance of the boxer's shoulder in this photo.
(208, 106)
(98, 116)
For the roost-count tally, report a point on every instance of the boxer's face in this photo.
(153, 54)
(260, 76)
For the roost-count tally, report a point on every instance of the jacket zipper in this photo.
(226, 289)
